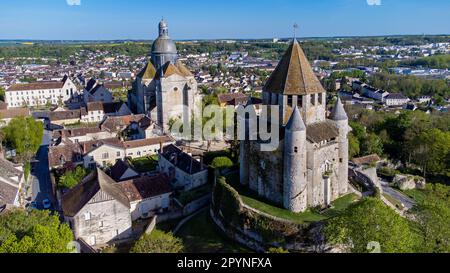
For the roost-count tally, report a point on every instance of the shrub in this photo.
(222, 163)
(158, 242)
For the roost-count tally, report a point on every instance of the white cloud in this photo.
(374, 2)
(73, 2)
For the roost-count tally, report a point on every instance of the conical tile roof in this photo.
(294, 74)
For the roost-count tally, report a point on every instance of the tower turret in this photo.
(339, 116)
(163, 49)
(294, 176)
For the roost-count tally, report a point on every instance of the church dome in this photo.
(163, 44)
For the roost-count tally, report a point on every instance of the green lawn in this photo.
(200, 235)
(189, 196)
(417, 195)
(253, 200)
(145, 164)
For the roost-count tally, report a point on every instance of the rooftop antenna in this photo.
(295, 30)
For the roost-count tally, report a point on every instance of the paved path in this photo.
(40, 176)
(408, 202)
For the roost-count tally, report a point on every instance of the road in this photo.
(408, 202)
(40, 176)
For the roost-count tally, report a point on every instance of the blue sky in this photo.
(209, 19)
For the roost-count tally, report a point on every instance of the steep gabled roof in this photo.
(75, 199)
(183, 69)
(170, 69)
(294, 75)
(148, 72)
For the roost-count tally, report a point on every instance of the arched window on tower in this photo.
(289, 100)
(300, 101)
(313, 99)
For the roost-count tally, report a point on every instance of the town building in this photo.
(96, 92)
(12, 181)
(396, 99)
(100, 210)
(41, 93)
(184, 171)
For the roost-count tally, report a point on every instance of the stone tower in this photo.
(294, 175)
(339, 116)
(165, 89)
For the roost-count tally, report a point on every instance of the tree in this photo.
(372, 145)
(354, 146)
(222, 162)
(24, 134)
(33, 232)
(433, 217)
(432, 152)
(2, 94)
(72, 178)
(158, 242)
(371, 221)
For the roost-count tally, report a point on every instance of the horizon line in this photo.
(224, 39)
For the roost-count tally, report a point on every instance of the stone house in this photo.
(185, 172)
(148, 196)
(122, 171)
(97, 210)
(12, 181)
(95, 92)
(100, 210)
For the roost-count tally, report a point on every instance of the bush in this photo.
(27, 171)
(72, 178)
(222, 163)
(158, 242)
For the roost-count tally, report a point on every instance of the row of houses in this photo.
(389, 99)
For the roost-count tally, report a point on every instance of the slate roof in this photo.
(338, 112)
(75, 199)
(119, 169)
(145, 187)
(294, 75)
(396, 96)
(295, 122)
(182, 160)
(322, 131)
